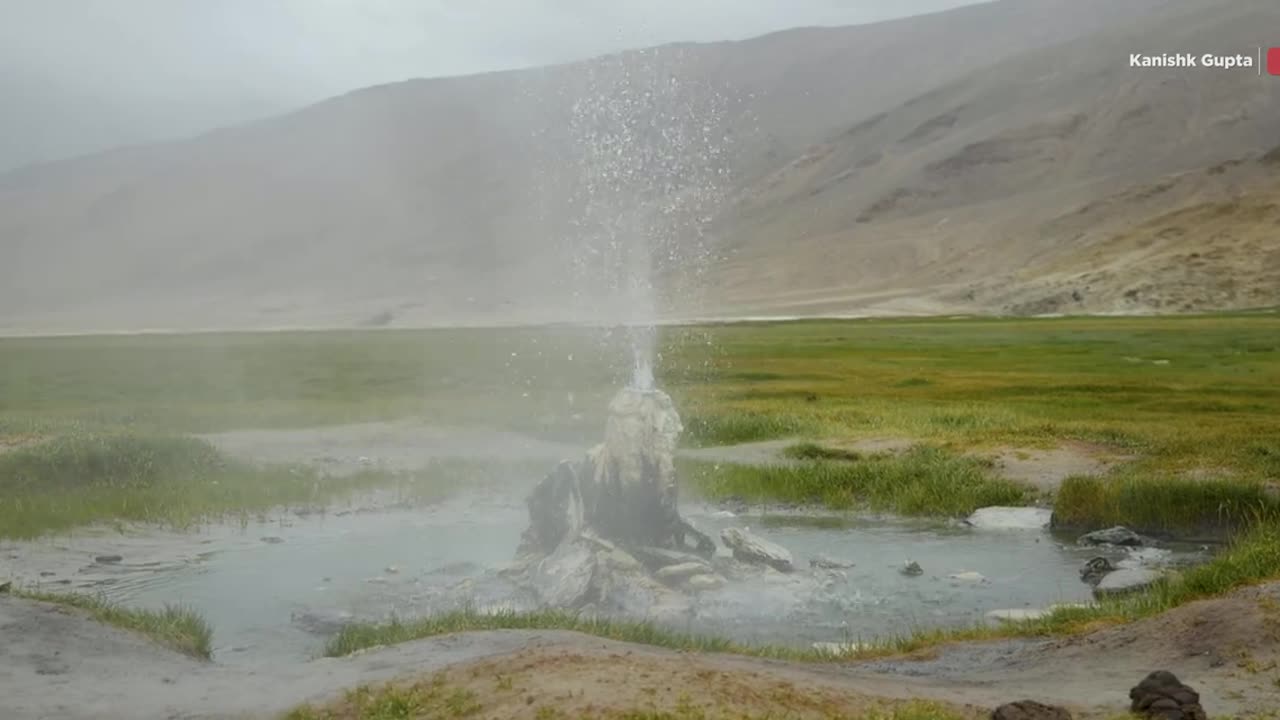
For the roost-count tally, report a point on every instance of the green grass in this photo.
(1180, 395)
(921, 481)
(175, 627)
(359, 636)
(1164, 504)
(82, 478)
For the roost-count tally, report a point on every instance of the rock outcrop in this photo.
(1161, 696)
(1029, 710)
(605, 532)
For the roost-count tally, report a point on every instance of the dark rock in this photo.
(5, 587)
(1161, 696)
(1029, 710)
(911, 568)
(1113, 536)
(108, 559)
(1095, 569)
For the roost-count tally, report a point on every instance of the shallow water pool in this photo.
(277, 597)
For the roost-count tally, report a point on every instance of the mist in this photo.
(82, 76)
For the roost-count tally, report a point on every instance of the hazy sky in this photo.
(78, 76)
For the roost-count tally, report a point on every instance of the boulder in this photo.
(1029, 710)
(1125, 580)
(564, 578)
(911, 568)
(751, 549)
(1112, 536)
(1161, 696)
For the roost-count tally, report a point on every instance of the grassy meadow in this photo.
(101, 429)
(93, 426)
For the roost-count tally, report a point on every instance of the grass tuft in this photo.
(360, 636)
(741, 427)
(176, 627)
(1164, 504)
(921, 481)
(82, 478)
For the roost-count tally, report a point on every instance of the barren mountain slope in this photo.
(910, 159)
(974, 194)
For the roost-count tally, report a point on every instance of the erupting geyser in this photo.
(606, 531)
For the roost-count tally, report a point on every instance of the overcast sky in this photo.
(78, 76)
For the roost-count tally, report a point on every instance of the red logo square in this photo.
(1273, 61)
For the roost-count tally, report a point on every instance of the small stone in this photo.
(272, 540)
(912, 569)
(108, 559)
(391, 570)
(1112, 536)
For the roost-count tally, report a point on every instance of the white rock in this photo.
(1125, 580)
(968, 576)
(749, 548)
(1019, 614)
(1010, 518)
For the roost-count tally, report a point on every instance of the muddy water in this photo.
(273, 591)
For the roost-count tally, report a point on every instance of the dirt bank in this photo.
(57, 663)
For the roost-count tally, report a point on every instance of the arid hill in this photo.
(996, 158)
